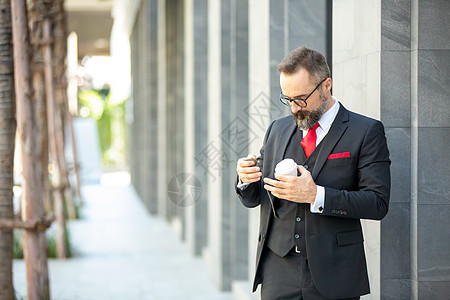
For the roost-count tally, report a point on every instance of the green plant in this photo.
(18, 248)
(110, 117)
(51, 244)
(77, 209)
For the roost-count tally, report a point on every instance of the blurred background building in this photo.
(197, 82)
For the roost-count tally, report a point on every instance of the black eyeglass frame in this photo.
(285, 100)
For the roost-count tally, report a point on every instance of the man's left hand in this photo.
(300, 189)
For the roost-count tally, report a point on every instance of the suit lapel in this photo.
(283, 141)
(333, 136)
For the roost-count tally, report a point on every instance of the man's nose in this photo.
(295, 108)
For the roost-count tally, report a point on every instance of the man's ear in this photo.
(328, 84)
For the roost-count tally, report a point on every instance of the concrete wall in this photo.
(205, 87)
(416, 55)
(390, 59)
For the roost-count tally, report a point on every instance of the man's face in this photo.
(300, 85)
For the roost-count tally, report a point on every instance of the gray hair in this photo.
(309, 59)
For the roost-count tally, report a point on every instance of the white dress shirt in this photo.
(324, 126)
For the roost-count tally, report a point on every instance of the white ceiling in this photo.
(92, 21)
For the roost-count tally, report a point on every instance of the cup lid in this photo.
(286, 166)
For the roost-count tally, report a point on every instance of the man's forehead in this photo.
(301, 75)
(297, 83)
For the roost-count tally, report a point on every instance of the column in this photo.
(151, 100)
(217, 235)
(356, 83)
(139, 106)
(430, 122)
(162, 111)
(235, 134)
(189, 126)
(131, 122)
(171, 71)
(258, 117)
(179, 122)
(415, 56)
(144, 103)
(196, 111)
(175, 103)
(395, 108)
(294, 24)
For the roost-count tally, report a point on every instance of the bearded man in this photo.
(310, 244)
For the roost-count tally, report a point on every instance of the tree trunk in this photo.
(60, 79)
(35, 241)
(55, 135)
(36, 11)
(7, 138)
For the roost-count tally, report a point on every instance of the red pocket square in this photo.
(339, 155)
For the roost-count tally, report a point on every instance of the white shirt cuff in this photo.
(318, 205)
(241, 185)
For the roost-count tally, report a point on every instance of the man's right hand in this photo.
(247, 170)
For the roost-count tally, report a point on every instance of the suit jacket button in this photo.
(297, 236)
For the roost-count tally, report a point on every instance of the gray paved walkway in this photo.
(124, 253)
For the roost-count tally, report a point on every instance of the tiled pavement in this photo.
(123, 253)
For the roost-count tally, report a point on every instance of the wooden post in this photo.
(76, 166)
(55, 113)
(54, 135)
(36, 10)
(60, 54)
(7, 140)
(35, 240)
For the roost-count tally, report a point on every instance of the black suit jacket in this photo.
(356, 187)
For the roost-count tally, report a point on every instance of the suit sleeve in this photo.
(251, 195)
(371, 198)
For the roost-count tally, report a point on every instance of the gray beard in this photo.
(314, 116)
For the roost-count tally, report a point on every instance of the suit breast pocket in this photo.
(339, 173)
(341, 161)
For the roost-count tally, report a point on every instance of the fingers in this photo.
(247, 170)
(245, 166)
(250, 178)
(279, 191)
(303, 171)
(246, 162)
(249, 174)
(276, 183)
(284, 177)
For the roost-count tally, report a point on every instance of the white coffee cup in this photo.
(286, 167)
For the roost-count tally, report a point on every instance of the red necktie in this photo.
(309, 141)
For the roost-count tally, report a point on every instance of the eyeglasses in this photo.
(297, 100)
